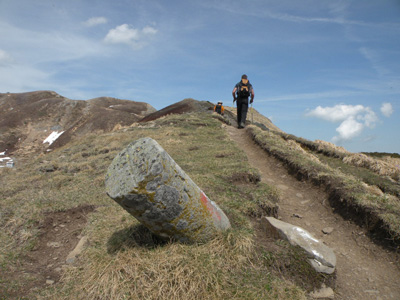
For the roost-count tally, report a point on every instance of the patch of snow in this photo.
(5, 159)
(52, 137)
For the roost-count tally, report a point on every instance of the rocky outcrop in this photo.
(322, 258)
(148, 183)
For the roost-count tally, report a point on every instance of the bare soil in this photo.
(59, 234)
(364, 269)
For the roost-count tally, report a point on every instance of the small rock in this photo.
(54, 244)
(50, 282)
(297, 216)
(299, 195)
(323, 293)
(327, 230)
(71, 258)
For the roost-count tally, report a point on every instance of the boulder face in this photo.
(148, 183)
(322, 258)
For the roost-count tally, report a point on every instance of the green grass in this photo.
(123, 259)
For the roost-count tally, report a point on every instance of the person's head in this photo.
(244, 79)
(220, 103)
(244, 76)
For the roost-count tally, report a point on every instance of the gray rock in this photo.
(327, 230)
(321, 256)
(148, 183)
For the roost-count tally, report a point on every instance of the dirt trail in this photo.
(364, 270)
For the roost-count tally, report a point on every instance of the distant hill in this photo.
(27, 119)
(184, 106)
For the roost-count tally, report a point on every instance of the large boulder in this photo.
(321, 257)
(147, 182)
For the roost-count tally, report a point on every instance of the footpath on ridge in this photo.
(364, 269)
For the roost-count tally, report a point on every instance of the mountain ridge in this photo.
(28, 118)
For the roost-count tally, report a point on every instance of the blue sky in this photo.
(321, 69)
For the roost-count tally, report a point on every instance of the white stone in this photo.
(321, 256)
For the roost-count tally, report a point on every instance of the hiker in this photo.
(219, 108)
(241, 93)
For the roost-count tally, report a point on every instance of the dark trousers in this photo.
(242, 107)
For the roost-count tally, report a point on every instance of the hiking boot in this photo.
(242, 125)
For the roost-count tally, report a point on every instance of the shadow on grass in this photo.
(134, 237)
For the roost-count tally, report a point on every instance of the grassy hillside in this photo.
(361, 188)
(122, 259)
(64, 189)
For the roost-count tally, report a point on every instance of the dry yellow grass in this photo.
(223, 268)
(329, 147)
(385, 167)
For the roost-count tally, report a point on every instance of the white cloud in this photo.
(5, 58)
(336, 113)
(125, 34)
(148, 30)
(387, 109)
(348, 130)
(96, 21)
(122, 34)
(353, 119)
(369, 117)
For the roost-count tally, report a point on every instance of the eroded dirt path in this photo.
(364, 270)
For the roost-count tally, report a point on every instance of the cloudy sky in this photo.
(321, 69)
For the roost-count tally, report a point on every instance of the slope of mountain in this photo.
(184, 106)
(53, 201)
(26, 119)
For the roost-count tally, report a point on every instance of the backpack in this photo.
(218, 108)
(243, 90)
